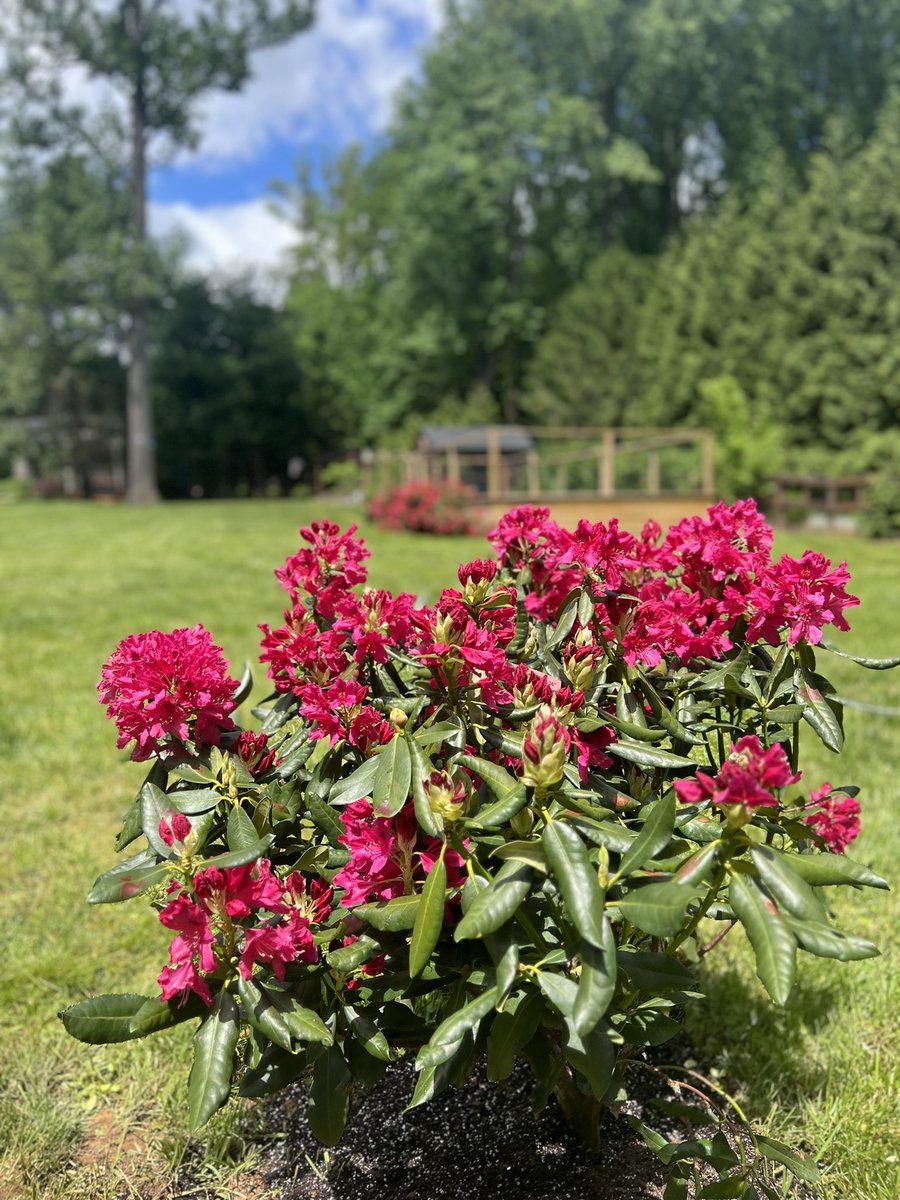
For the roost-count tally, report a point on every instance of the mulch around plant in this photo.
(478, 1143)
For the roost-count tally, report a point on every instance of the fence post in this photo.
(608, 464)
(708, 469)
(494, 464)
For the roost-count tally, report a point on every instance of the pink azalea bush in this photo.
(447, 508)
(512, 823)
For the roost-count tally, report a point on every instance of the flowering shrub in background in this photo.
(427, 508)
(508, 825)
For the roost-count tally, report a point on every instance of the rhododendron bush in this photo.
(510, 825)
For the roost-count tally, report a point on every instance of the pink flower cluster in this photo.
(748, 777)
(680, 596)
(388, 856)
(165, 687)
(835, 817)
(213, 925)
(445, 508)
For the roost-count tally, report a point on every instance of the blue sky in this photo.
(307, 99)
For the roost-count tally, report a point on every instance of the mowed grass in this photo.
(103, 1122)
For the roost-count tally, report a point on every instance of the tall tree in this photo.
(158, 59)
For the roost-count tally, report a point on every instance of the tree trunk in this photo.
(583, 1113)
(141, 452)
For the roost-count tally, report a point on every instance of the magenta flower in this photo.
(801, 595)
(165, 687)
(748, 777)
(835, 818)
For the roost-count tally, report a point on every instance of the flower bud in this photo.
(545, 749)
(446, 799)
(398, 718)
(477, 578)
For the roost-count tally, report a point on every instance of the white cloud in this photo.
(341, 75)
(228, 237)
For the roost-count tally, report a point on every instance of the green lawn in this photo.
(79, 1122)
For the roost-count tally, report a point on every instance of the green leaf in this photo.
(356, 786)
(262, 1014)
(666, 717)
(329, 1097)
(214, 1046)
(816, 937)
(244, 687)
(154, 807)
(240, 832)
(790, 890)
(368, 1035)
(429, 918)
(871, 664)
(593, 1056)
(654, 836)
(159, 1014)
(348, 958)
(654, 972)
(529, 852)
(443, 731)
(498, 779)
(698, 866)
(511, 1031)
(275, 1070)
(326, 819)
(240, 858)
(446, 1038)
(494, 905)
(104, 1019)
(304, 1024)
(390, 916)
(577, 879)
(192, 801)
(821, 870)
(822, 715)
(561, 991)
(657, 908)
(647, 756)
(773, 943)
(392, 778)
(421, 768)
(597, 982)
(128, 878)
(779, 1152)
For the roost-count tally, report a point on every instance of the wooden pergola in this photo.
(577, 471)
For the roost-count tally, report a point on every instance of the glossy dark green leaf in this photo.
(560, 990)
(817, 937)
(429, 918)
(531, 853)
(421, 768)
(647, 756)
(304, 1024)
(772, 940)
(392, 778)
(348, 958)
(823, 869)
(657, 908)
(440, 732)
(446, 1038)
(155, 807)
(597, 981)
(103, 1019)
(367, 1033)
(655, 835)
(698, 867)
(654, 972)
(871, 664)
(240, 832)
(666, 717)
(791, 891)
(390, 916)
(326, 819)
(262, 1014)
(823, 715)
(577, 879)
(495, 904)
(275, 1070)
(240, 858)
(356, 786)
(192, 801)
(159, 1014)
(329, 1097)
(214, 1045)
(244, 687)
(510, 793)
(128, 878)
(593, 1056)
